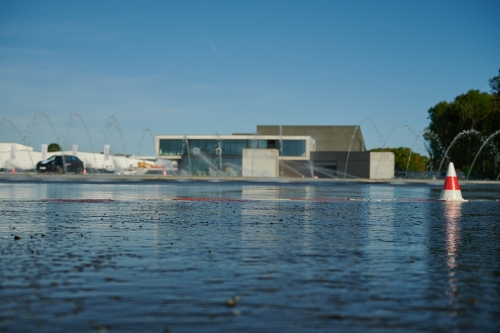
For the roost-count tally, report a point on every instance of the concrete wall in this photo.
(328, 138)
(381, 165)
(260, 163)
(333, 165)
(26, 159)
(357, 165)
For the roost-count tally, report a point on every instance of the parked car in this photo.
(60, 164)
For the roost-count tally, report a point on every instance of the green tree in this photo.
(495, 84)
(53, 147)
(417, 162)
(475, 116)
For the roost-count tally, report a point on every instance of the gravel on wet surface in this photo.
(128, 258)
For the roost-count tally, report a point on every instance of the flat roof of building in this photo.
(236, 137)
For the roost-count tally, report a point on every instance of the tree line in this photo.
(406, 160)
(465, 123)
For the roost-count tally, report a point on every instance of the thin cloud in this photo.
(211, 44)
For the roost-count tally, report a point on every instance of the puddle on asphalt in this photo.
(100, 257)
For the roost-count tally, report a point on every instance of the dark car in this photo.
(60, 164)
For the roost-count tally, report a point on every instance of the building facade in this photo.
(203, 155)
(277, 151)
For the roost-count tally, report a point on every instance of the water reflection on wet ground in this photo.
(128, 258)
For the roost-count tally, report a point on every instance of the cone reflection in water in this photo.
(452, 232)
(451, 188)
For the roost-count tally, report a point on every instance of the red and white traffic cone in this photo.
(14, 171)
(165, 173)
(84, 171)
(451, 189)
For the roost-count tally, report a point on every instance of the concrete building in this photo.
(274, 151)
(233, 155)
(289, 151)
(328, 138)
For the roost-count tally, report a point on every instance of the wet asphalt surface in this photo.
(129, 258)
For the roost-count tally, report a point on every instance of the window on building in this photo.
(271, 144)
(294, 148)
(229, 147)
(211, 145)
(171, 147)
(234, 147)
(257, 144)
(201, 144)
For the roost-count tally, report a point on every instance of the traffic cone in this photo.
(14, 171)
(164, 172)
(451, 189)
(84, 171)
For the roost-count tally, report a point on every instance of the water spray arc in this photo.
(370, 121)
(479, 151)
(14, 127)
(218, 152)
(215, 159)
(185, 145)
(34, 121)
(387, 138)
(281, 151)
(112, 121)
(424, 131)
(141, 140)
(78, 116)
(33, 125)
(455, 139)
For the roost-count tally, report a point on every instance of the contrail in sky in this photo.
(212, 45)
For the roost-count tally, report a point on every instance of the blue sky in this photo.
(201, 67)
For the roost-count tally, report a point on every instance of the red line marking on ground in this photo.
(211, 199)
(326, 199)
